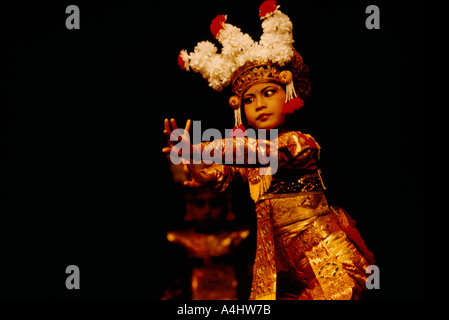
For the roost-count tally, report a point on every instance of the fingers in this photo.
(167, 123)
(191, 182)
(173, 124)
(194, 177)
(188, 125)
(167, 130)
(195, 174)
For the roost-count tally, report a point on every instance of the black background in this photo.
(83, 177)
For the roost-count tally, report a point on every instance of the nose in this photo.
(260, 103)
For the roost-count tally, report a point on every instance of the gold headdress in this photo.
(244, 62)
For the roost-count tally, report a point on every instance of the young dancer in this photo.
(306, 249)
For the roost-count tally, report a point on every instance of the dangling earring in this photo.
(292, 101)
(238, 130)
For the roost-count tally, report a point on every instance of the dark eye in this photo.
(248, 100)
(270, 92)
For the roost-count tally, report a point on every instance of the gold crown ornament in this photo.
(244, 62)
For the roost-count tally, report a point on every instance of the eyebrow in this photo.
(261, 91)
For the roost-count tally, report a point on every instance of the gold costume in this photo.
(305, 248)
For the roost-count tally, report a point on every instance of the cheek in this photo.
(279, 101)
(277, 104)
(277, 119)
(250, 115)
(278, 115)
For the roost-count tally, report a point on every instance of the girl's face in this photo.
(263, 104)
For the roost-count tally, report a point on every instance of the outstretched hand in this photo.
(184, 138)
(195, 178)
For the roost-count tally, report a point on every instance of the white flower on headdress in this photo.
(279, 23)
(206, 47)
(275, 45)
(200, 57)
(234, 42)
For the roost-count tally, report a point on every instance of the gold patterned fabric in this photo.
(305, 248)
(309, 252)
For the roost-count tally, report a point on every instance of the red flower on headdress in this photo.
(293, 105)
(217, 24)
(181, 62)
(267, 8)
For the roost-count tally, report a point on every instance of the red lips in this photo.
(262, 115)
